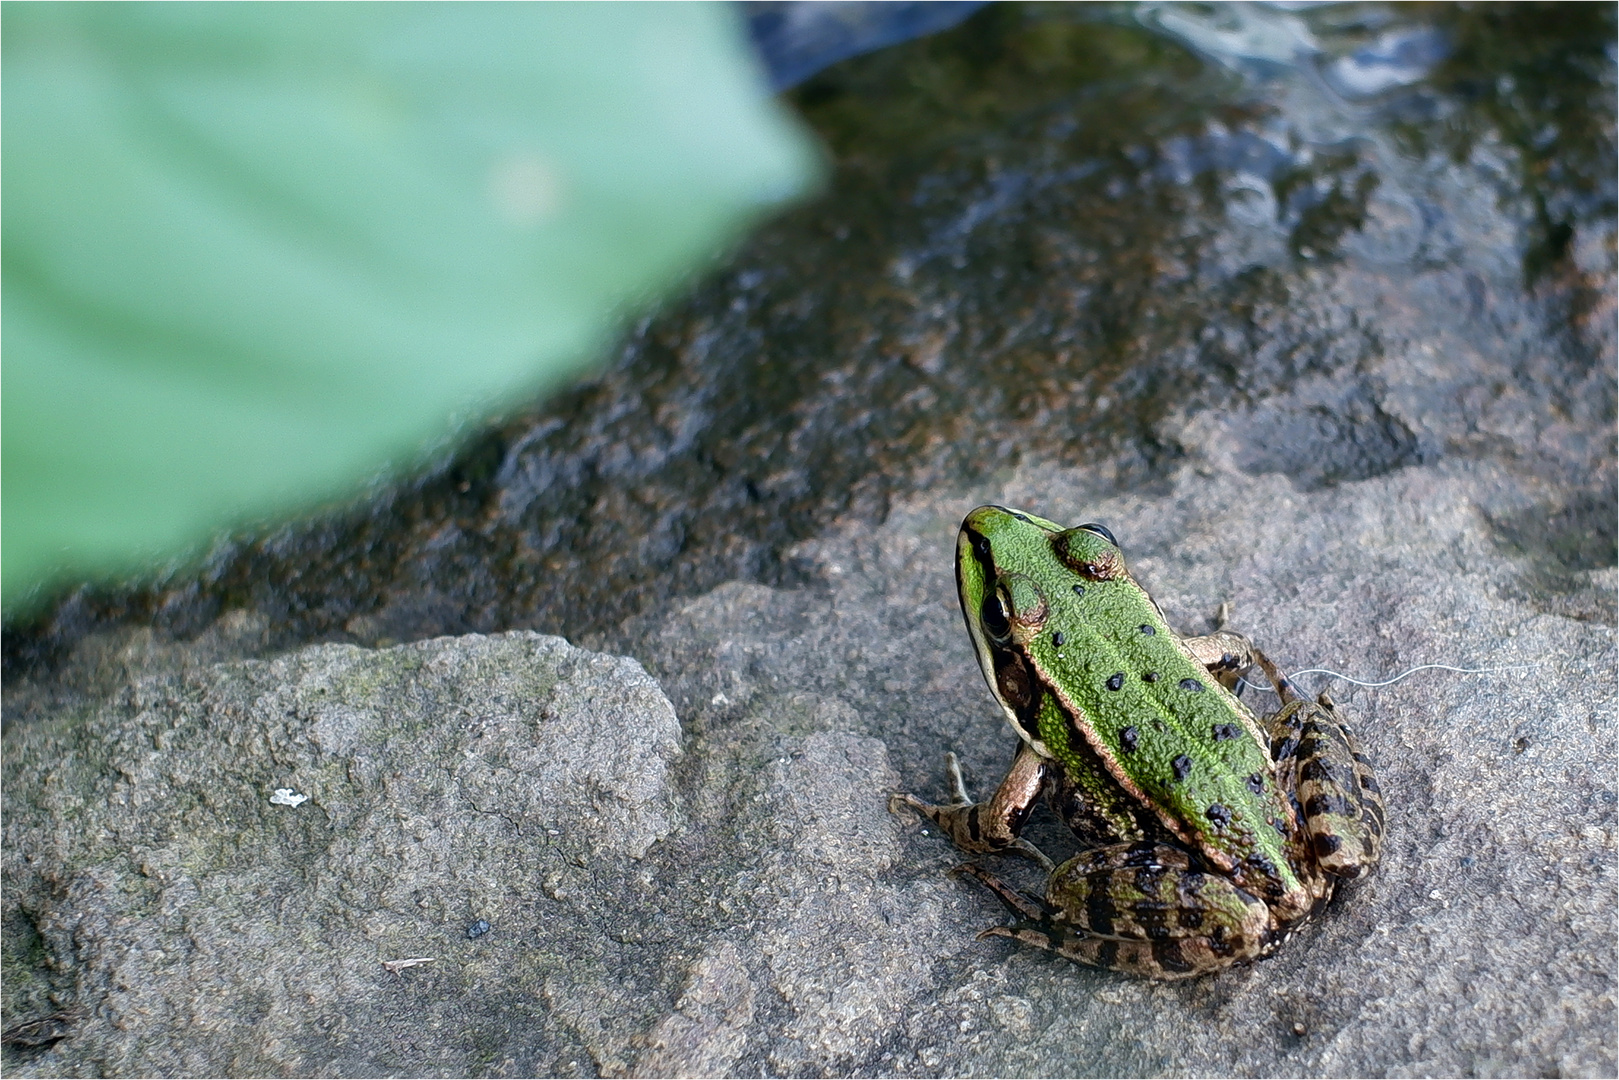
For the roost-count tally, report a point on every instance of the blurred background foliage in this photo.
(257, 254)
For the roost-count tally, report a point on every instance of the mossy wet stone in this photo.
(276, 867)
(778, 919)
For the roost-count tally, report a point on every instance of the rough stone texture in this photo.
(447, 781)
(1342, 359)
(1485, 943)
(728, 896)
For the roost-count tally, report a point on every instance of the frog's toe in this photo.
(958, 783)
(1029, 851)
(1028, 935)
(1163, 960)
(940, 815)
(1017, 903)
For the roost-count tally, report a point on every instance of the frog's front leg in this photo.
(1332, 779)
(980, 827)
(1141, 908)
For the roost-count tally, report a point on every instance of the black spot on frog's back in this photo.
(1261, 863)
(1141, 854)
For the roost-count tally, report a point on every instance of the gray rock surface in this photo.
(208, 928)
(727, 895)
(1485, 943)
(1322, 326)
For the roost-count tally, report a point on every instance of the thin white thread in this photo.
(1389, 682)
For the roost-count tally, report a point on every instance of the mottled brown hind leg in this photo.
(992, 826)
(1140, 908)
(1332, 778)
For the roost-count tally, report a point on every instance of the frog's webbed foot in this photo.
(1141, 908)
(1337, 791)
(992, 826)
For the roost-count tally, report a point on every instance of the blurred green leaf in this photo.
(252, 252)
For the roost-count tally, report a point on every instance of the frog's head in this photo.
(1008, 565)
(1007, 561)
(998, 558)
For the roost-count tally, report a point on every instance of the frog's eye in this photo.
(1100, 530)
(992, 614)
(1025, 605)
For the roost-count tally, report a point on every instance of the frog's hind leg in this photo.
(1141, 908)
(1023, 906)
(1337, 792)
(1226, 655)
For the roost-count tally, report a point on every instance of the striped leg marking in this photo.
(1140, 908)
(1333, 779)
(1343, 806)
(1227, 655)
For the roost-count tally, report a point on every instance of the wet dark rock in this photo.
(1052, 236)
(1314, 310)
(795, 40)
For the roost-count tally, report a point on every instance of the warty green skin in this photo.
(1201, 858)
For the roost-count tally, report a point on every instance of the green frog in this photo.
(1208, 835)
